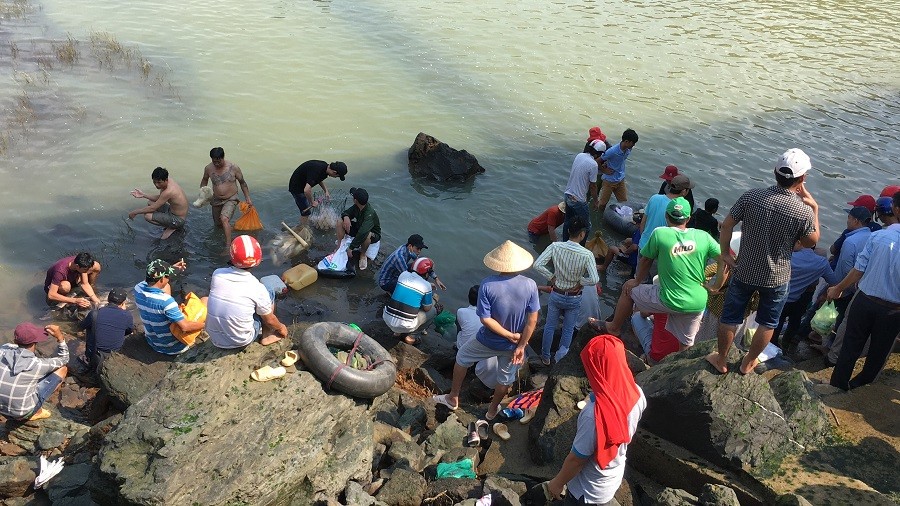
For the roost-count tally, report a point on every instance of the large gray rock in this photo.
(804, 412)
(448, 435)
(70, 485)
(48, 435)
(731, 419)
(405, 488)
(134, 370)
(208, 434)
(429, 157)
(552, 430)
(718, 495)
(16, 475)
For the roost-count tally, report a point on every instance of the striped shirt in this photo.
(573, 265)
(157, 310)
(20, 373)
(412, 292)
(399, 261)
(879, 261)
(772, 220)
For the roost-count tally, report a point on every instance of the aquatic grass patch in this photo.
(66, 51)
(15, 9)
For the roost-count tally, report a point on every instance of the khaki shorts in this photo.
(229, 205)
(607, 189)
(684, 326)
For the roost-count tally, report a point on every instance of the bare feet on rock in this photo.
(270, 339)
(718, 362)
(747, 368)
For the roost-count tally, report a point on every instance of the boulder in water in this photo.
(429, 157)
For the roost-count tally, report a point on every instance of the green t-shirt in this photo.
(682, 257)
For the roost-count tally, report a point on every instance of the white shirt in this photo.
(584, 172)
(595, 485)
(235, 296)
(469, 324)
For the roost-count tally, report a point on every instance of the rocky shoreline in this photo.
(196, 430)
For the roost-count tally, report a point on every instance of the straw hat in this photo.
(508, 257)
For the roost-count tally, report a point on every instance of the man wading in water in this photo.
(225, 177)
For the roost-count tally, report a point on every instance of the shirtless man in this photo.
(168, 209)
(225, 178)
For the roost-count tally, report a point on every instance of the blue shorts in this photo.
(257, 322)
(771, 302)
(302, 204)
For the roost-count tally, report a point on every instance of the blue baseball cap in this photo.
(883, 205)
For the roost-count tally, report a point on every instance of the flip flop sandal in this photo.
(267, 373)
(481, 427)
(443, 400)
(501, 430)
(290, 358)
(363, 262)
(40, 415)
(529, 414)
(412, 340)
(473, 439)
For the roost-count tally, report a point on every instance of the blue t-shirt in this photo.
(108, 333)
(615, 160)
(656, 216)
(509, 299)
(633, 256)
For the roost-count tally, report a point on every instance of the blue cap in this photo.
(883, 205)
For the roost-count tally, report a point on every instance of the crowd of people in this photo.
(674, 241)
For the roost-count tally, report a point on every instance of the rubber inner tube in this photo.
(619, 223)
(328, 273)
(313, 351)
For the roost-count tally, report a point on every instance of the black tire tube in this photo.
(616, 222)
(328, 273)
(313, 351)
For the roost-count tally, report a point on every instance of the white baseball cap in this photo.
(793, 163)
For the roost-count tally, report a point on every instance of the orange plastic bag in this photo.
(249, 219)
(194, 310)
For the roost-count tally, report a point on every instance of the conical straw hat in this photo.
(508, 257)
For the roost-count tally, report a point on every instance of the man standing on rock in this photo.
(240, 307)
(309, 174)
(508, 306)
(168, 209)
(225, 177)
(773, 219)
(573, 269)
(595, 467)
(158, 310)
(26, 381)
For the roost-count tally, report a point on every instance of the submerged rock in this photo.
(429, 157)
(207, 434)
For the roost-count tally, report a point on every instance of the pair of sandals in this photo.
(478, 432)
(268, 373)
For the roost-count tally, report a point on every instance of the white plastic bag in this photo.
(336, 261)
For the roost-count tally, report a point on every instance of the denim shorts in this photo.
(771, 302)
(302, 204)
(45, 389)
(257, 321)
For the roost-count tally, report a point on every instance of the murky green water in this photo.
(718, 88)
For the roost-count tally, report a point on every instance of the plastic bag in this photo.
(337, 261)
(462, 469)
(194, 310)
(444, 320)
(249, 220)
(823, 321)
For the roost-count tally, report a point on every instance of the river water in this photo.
(717, 88)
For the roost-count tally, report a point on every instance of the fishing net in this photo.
(326, 214)
(249, 219)
(286, 246)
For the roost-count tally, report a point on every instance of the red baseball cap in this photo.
(866, 201)
(28, 333)
(889, 191)
(670, 172)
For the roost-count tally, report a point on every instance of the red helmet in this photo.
(423, 266)
(245, 252)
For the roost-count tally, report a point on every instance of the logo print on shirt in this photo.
(683, 248)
